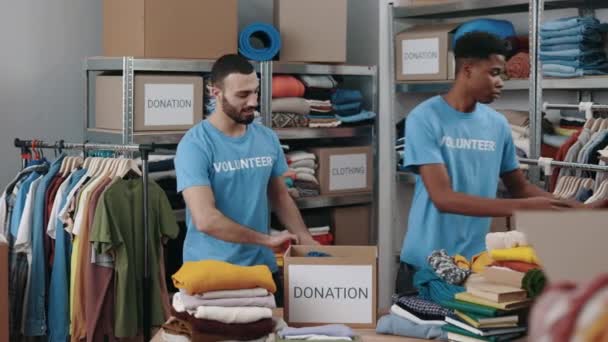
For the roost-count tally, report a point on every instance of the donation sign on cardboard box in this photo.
(424, 53)
(340, 288)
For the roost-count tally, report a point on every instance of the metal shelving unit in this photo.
(333, 201)
(324, 133)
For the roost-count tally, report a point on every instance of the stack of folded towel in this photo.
(289, 109)
(318, 93)
(221, 299)
(573, 47)
(322, 235)
(302, 174)
(348, 105)
(331, 332)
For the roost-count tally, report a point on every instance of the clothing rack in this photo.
(587, 107)
(144, 150)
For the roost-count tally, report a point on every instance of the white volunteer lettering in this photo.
(241, 164)
(468, 144)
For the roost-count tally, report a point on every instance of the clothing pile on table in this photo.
(331, 332)
(221, 301)
(485, 298)
(75, 235)
(573, 47)
(301, 177)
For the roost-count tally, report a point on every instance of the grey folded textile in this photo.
(295, 105)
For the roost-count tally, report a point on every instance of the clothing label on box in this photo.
(347, 171)
(169, 104)
(420, 56)
(330, 293)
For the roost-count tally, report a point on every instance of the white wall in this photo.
(43, 44)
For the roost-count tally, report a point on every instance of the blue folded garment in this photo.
(583, 29)
(347, 106)
(567, 23)
(582, 64)
(433, 288)
(315, 116)
(395, 325)
(573, 55)
(575, 39)
(362, 116)
(346, 96)
(582, 46)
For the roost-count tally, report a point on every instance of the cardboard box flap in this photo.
(571, 245)
(434, 28)
(366, 252)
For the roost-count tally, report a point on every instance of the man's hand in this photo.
(306, 239)
(544, 203)
(275, 241)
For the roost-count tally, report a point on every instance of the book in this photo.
(507, 306)
(480, 310)
(482, 288)
(464, 338)
(481, 322)
(485, 332)
(503, 275)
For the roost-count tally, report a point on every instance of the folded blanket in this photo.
(518, 66)
(525, 254)
(309, 163)
(361, 116)
(249, 331)
(296, 156)
(287, 86)
(232, 315)
(289, 120)
(303, 184)
(319, 81)
(184, 302)
(303, 170)
(318, 94)
(319, 103)
(324, 125)
(245, 293)
(295, 105)
(336, 330)
(395, 325)
(213, 275)
(302, 176)
(345, 96)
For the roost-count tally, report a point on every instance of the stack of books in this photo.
(487, 311)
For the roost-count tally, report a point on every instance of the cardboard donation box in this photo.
(424, 53)
(344, 169)
(170, 29)
(161, 102)
(312, 30)
(336, 289)
(571, 245)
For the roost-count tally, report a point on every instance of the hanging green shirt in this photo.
(118, 228)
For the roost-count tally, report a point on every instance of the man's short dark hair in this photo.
(479, 45)
(229, 64)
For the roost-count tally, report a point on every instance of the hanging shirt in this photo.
(20, 203)
(238, 171)
(476, 149)
(58, 311)
(118, 227)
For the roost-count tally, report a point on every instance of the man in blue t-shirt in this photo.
(459, 148)
(228, 169)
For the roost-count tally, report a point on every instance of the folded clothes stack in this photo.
(318, 93)
(301, 174)
(348, 107)
(331, 332)
(573, 47)
(219, 299)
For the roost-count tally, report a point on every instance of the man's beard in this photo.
(235, 114)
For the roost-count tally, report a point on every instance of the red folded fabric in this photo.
(287, 86)
(242, 332)
(519, 65)
(325, 239)
(518, 266)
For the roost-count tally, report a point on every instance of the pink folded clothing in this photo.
(519, 66)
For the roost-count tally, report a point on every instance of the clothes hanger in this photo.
(129, 166)
(589, 123)
(573, 190)
(596, 125)
(560, 185)
(600, 194)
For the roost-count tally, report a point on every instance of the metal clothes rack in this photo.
(144, 150)
(587, 107)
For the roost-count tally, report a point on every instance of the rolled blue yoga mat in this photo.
(267, 34)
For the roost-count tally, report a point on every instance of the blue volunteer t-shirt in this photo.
(476, 148)
(238, 170)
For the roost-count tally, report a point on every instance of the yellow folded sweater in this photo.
(211, 275)
(525, 254)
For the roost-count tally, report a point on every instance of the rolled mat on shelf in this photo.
(267, 34)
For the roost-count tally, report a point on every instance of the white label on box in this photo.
(420, 56)
(331, 293)
(169, 104)
(347, 171)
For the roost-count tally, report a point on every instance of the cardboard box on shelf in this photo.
(170, 29)
(161, 102)
(344, 169)
(312, 30)
(571, 245)
(3, 289)
(425, 53)
(340, 288)
(351, 225)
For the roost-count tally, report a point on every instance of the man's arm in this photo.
(207, 219)
(519, 187)
(286, 210)
(437, 182)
